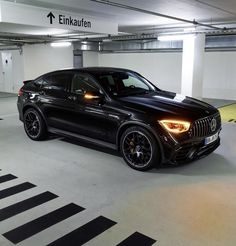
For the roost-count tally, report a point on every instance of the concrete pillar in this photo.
(193, 65)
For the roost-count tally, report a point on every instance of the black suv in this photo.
(120, 109)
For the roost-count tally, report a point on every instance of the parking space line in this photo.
(85, 233)
(35, 226)
(16, 189)
(7, 177)
(137, 239)
(79, 236)
(25, 205)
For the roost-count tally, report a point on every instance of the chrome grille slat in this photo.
(201, 127)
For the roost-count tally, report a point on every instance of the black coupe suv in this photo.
(120, 109)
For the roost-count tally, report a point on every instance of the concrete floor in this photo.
(219, 102)
(191, 205)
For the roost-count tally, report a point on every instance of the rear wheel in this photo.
(139, 148)
(34, 125)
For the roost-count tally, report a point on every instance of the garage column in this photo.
(192, 65)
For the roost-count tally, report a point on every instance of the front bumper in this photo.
(192, 151)
(179, 152)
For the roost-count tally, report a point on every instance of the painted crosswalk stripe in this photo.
(7, 177)
(16, 189)
(35, 226)
(27, 204)
(137, 239)
(85, 233)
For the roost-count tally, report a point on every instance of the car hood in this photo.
(169, 103)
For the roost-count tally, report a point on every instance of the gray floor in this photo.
(6, 95)
(191, 205)
(219, 102)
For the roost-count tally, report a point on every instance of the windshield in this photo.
(125, 84)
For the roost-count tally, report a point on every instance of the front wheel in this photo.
(139, 148)
(34, 125)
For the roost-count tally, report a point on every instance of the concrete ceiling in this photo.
(133, 16)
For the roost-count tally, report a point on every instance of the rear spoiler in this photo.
(26, 81)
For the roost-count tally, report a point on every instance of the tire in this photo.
(140, 149)
(34, 125)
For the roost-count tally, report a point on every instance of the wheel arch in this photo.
(126, 125)
(28, 106)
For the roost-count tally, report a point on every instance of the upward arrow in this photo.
(51, 16)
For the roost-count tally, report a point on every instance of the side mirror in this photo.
(93, 96)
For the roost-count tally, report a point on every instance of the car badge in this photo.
(213, 124)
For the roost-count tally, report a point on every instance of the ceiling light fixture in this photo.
(106, 40)
(61, 44)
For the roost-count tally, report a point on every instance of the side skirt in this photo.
(81, 137)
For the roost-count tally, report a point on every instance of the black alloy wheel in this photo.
(139, 148)
(34, 125)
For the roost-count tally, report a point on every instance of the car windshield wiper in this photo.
(140, 92)
(133, 92)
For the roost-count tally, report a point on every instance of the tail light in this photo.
(20, 92)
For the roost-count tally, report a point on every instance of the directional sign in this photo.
(51, 17)
(34, 16)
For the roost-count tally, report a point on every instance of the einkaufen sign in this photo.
(34, 16)
(70, 21)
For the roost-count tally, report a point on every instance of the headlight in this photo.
(175, 126)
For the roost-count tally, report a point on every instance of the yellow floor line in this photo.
(228, 113)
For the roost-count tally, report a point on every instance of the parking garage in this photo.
(71, 191)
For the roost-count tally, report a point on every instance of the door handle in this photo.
(72, 98)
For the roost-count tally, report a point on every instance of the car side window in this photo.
(58, 82)
(82, 83)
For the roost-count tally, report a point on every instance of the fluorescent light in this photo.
(173, 37)
(106, 40)
(61, 44)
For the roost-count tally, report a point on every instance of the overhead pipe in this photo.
(123, 6)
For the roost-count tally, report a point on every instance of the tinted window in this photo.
(123, 83)
(59, 81)
(82, 83)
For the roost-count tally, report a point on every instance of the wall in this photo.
(220, 75)
(162, 69)
(2, 87)
(18, 70)
(40, 59)
(90, 59)
(12, 72)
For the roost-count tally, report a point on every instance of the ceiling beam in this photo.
(123, 6)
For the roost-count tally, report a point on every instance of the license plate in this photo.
(211, 139)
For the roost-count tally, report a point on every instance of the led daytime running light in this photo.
(175, 126)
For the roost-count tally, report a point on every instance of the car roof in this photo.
(91, 70)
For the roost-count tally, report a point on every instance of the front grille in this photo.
(202, 127)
